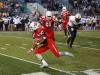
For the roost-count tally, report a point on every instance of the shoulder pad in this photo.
(43, 17)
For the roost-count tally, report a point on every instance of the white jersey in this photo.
(94, 19)
(72, 21)
(83, 20)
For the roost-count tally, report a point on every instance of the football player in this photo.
(46, 43)
(73, 24)
(65, 18)
(47, 22)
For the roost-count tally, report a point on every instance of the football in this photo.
(39, 39)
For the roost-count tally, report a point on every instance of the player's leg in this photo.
(65, 29)
(73, 38)
(70, 35)
(44, 63)
(54, 50)
(39, 56)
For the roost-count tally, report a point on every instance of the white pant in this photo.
(26, 27)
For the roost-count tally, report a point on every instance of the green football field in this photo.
(14, 59)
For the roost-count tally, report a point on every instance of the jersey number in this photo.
(48, 24)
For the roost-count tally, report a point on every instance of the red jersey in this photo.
(67, 13)
(39, 32)
(50, 44)
(48, 25)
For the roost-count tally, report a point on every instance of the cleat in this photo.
(69, 54)
(44, 66)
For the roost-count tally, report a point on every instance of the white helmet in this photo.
(77, 17)
(48, 15)
(33, 26)
(64, 9)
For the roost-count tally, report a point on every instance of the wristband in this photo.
(31, 49)
(37, 43)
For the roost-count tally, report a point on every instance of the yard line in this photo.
(90, 36)
(56, 42)
(24, 44)
(7, 44)
(3, 48)
(22, 47)
(68, 72)
(80, 46)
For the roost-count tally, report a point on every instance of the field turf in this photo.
(14, 59)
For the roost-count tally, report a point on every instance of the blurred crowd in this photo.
(14, 16)
(89, 7)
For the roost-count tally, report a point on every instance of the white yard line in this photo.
(88, 72)
(90, 36)
(80, 46)
(7, 44)
(3, 48)
(68, 72)
(22, 47)
(24, 44)
(56, 42)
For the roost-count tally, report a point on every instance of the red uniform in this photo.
(65, 20)
(48, 25)
(50, 44)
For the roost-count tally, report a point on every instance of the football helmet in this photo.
(77, 17)
(64, 9)
(48, 15)
(33, 26)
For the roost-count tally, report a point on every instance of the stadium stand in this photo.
(19, 7)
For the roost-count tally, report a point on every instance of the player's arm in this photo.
(43, 41)
(41, 20)
(78, 26)
(56, 21)
(34, 46)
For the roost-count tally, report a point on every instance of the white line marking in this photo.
(93, 45)
(56, 42)
(3, 48)
(90, 36)
(91, 72)
(89, 42)
(24, 44)
(22, 47)
(37, 73)
(19, 59)
(36, 63)
(7, 44)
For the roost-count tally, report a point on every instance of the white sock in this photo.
(63, 53)
(44, 62)
(39, 56)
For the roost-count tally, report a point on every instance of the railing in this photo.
(36, 7)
